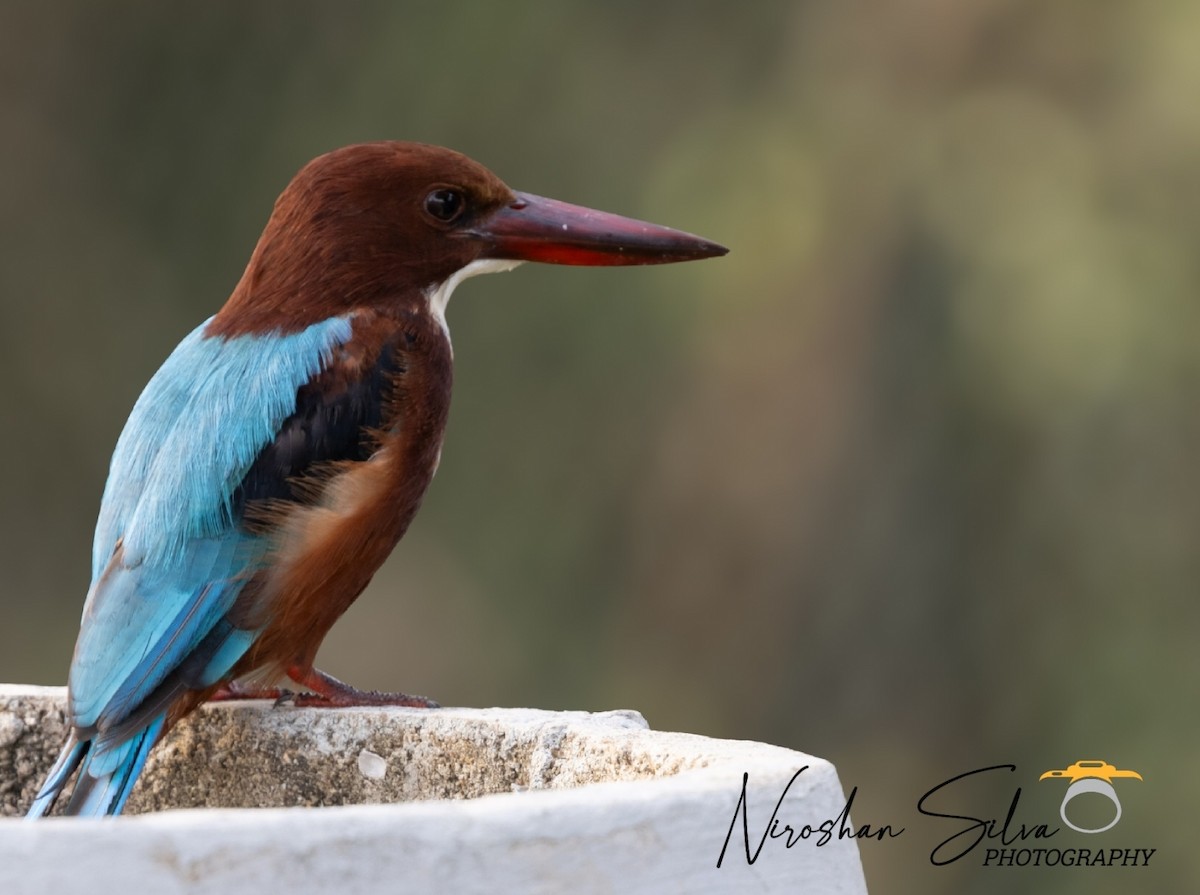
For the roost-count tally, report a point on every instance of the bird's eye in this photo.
(445, 204)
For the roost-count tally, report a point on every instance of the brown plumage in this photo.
(350, 232)
(329, 551)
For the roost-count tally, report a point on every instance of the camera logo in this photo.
(1090, 776)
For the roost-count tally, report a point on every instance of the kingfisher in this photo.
(283, 448)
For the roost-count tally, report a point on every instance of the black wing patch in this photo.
(335, 417)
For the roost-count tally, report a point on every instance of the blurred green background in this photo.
(906, 481)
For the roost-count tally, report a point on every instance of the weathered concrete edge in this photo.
(657, 835)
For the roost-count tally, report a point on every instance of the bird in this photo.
(283, 448)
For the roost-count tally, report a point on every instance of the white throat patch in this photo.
(439, 295)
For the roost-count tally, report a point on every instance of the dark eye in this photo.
(445, 204)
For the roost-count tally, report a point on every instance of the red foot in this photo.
(238, 690)
(326, 692)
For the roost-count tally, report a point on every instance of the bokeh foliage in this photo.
(906, 481)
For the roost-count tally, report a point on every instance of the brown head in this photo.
(376, 223)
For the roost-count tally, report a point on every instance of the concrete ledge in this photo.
(462, 800)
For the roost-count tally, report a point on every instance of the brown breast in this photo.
(328, 550)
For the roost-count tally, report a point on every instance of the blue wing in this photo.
(224, 424)
(168, 559)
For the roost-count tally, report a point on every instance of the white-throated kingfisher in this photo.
(281, 451)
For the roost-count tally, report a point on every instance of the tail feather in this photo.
(68, 760)
(105, 777)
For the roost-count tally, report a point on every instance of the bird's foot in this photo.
(326, 691)
(238, 690)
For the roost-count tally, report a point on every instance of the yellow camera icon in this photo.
(1090, 776)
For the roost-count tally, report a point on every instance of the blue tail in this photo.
(107, 772)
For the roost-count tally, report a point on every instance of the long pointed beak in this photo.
(536, 229)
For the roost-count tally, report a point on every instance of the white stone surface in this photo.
(559, 833)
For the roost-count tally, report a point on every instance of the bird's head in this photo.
(379, 222)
